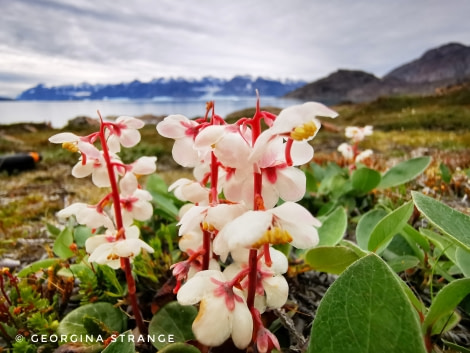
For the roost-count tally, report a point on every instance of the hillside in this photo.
(437, 68)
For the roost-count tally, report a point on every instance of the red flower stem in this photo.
(119, 224)
(257, 181)
(206, 253)
(252, 278)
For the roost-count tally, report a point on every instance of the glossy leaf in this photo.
(404, 172)
(445, 302)
(366, 310)
(173, 319)
(333, 227)
(452, 222)
(111, 319)
(365, 179)
(390, 225)
(331, 259)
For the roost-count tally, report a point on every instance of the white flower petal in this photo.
(277, 290)
(242, 323)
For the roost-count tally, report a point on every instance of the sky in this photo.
(58, 42)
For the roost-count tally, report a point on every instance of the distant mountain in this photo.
(437, 68)
(334, 87)
(164, 88)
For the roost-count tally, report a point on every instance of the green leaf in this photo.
(452, 222)
(52, 229)
(331, 259)
(173, 319)
(365, 179)
(445, 302)
(456, 347)
(111, 318)
(366, 310)
(366, 225)
(402, 263)
(333, 227)
(404, 172)
(62, 244)
(445, 173)
(123, 343)
(462, 258)
(390, 225)
(179, 348)
(37, 266)
(81, 234)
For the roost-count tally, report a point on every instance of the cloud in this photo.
(71, 41)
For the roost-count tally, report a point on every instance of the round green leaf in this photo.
(404, 172)
(333, 227)
(179, 348)
(173, 319)
(387, 227)
(365, 179)
(110, 319)
(452, 222)
(366, 310)
(331, 259)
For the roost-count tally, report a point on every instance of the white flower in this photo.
(96, 166)
(358, 134)
(135, 202)
(222, 311)
(210, 217)
(346, 150)
(143, 166)
(299, 121)
(230, 147)
(189, 190)
(287, 223)
(75, 143)
(364, 155)
(272, 288)
(123, 132)
(87, 215)
(106, 249)
(183, 131)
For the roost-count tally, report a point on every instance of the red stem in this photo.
(119, 224)
(252, 278)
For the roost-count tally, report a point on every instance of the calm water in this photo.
(59, 113)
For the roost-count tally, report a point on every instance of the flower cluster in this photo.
(114, 215)
(232, 269)
(350, 151)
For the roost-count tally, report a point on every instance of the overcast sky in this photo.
(109, 41)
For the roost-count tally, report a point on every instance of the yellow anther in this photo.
(274, 236)
(304, 131)
(208, 227)
(70, 146)
(112, 257)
